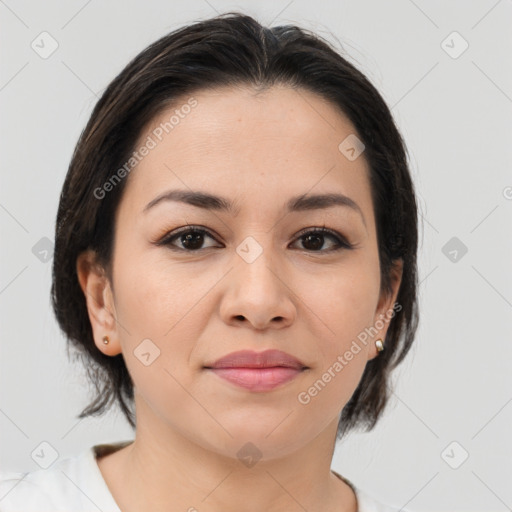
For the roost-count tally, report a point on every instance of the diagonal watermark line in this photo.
(13, 279)
(14, 218)
(200, 299)
(492, 418)
(311, 188)
(484, 218)
(110, 313)
(492, 81)
(85, 494)
(280, 12)
(428, 274)
(14, 76)
(485, 15)
(14, 424)
(216, 487)
(198, 402)
(415, 85)
(424, 14)
(508, 506)
(5, 5)
(286, 491)
(75, 15)
(415, 415)
(427, 221)
(402, 507)
(73, 427)
(299, 93)
(280, 423)
(301, 300)
(211, 211)
(503, 297)
(79, 79)
(212, 6)
(12, 488)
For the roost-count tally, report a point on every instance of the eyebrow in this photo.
(295, 204)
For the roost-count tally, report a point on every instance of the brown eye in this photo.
(315, 239)
(192, 239)
(189, 239)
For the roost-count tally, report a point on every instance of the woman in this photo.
(235, 257)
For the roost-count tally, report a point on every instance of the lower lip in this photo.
(257, 379)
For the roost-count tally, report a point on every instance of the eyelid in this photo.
(175, 233)
(318, 229)
(342, 242)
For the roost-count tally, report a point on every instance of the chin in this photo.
(254, 441)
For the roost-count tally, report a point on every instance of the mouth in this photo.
(257, 371)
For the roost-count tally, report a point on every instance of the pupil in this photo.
(192, 241)
(319, 239)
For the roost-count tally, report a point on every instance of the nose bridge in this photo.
(257, 261)
(257, 293)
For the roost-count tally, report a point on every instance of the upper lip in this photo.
(251, 359)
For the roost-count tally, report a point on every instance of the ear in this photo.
(100, 302)
(386, 308)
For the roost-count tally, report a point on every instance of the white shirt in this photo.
(75, 484)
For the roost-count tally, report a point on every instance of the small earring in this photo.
(105, 340)
(379, 345)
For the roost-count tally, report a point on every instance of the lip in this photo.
(251, 359)
(257, 371)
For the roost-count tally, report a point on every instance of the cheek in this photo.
(343, 301)
(152, 295)
(346, 309)
(157, 300)
(154, 305)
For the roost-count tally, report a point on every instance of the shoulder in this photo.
(366, 502)
(27, 492)
(72, 484)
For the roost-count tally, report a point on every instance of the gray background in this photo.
(455, 112)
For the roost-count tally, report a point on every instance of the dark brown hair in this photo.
(230, 50)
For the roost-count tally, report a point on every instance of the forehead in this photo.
(236, 141)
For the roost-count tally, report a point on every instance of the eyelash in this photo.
(167, 239)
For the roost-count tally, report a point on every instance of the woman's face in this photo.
(245, 272)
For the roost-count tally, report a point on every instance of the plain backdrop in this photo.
(444, 69)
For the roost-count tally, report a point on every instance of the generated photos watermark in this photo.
(305, 397)
(157, 135)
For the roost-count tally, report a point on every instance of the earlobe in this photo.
(386, 310)
(99, 299)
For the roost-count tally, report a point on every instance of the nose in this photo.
(258, 295)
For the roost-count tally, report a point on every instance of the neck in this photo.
(180, 474)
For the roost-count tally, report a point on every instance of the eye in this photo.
(191, 239)
(313, 239)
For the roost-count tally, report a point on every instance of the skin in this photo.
(257, 150)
